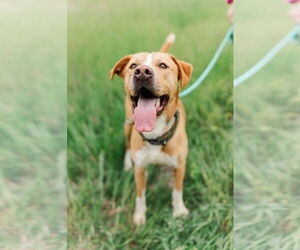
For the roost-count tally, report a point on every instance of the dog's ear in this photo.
(184, 71)
(119, 67)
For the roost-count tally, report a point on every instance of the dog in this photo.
(155, 120)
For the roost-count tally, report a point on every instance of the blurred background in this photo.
(101, 195)
(32, 128)
(33, 141)
(266, 130)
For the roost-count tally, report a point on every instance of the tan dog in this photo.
(152, 104)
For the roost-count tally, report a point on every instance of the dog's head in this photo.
(151, 81)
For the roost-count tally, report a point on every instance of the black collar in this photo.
(166, 137)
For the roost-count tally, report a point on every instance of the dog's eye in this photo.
(133, 66)
(163, 66)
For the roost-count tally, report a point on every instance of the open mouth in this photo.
(146, 107)
(160, 101)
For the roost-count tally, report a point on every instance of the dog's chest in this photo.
(152, 154)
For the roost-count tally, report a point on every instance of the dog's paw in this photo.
(139, 219)
(127, 161)
(180, 211)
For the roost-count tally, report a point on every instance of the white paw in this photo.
(128, 161)
(180, 211)
(139, 219)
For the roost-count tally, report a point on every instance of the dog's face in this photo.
(151, 81)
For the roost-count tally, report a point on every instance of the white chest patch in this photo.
(152, 154)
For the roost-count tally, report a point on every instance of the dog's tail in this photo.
(168, 43)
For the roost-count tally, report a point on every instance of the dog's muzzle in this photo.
(147, 104)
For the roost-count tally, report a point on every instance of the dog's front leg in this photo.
(128, 125)
(127, 159)
(139, 216)
(179, 209)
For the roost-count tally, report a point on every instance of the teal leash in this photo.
(228, 38)
(293, 36)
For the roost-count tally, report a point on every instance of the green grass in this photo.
(101, 195)
(32, 128)
(266, 132)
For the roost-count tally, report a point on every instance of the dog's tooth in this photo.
(157, 103)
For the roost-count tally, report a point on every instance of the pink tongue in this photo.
(145, 114)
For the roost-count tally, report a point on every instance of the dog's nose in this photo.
(143, 72)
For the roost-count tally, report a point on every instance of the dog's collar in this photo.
(166, 137)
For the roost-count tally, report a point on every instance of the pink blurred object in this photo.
(230, 11)
(293, 1)
(295, 11)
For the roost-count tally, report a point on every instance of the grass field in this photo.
(33, 125)
(101, 195)
(266, 131)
